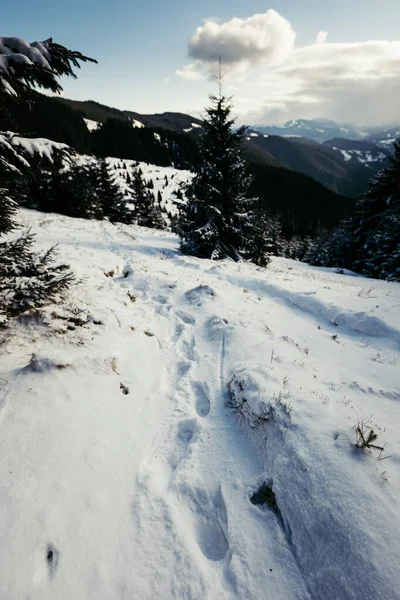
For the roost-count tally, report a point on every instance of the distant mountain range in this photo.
(323, 130)
(343, 165)
(342, 157)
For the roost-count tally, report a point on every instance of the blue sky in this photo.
(141, 46)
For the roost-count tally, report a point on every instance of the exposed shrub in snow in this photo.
(247, 401)
(366, 437)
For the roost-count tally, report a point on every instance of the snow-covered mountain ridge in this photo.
(125, 472)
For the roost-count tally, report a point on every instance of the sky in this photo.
(281, 61)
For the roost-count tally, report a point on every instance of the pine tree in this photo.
(7, 211)
(109, 197)
(22, 67)
(27, 279)
(377, 224)
(80, 194)
(216, 222)
(265, 238)
(147, 210)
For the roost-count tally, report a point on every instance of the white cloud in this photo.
(190, 72)
(356, 81)
(242, 44)
(321, 37)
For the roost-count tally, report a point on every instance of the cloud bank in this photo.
(355, 82)
(242, 44)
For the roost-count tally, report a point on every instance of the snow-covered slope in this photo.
(91, 125)
(166, 180)
(125, 473)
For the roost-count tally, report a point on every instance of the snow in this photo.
(31, 146)
(362, 156)
(253, 134)
(188, 129)
(14, 50)
(153, 173)
(124, 472)
(196, 126)
(388, 142)
(92, 125)
(136, 123)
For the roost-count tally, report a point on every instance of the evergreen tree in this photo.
(147, 210)
(216, 222)
(110, 201)
(22, 67)
(80, 194)
(7, 210)
(27, 279)
(377, 224)
(266, 237)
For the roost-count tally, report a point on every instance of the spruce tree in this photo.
(7, 211)
(217, 220)
(265, 240)
(147, 210)
(109, 197)
(27, 279)
(377, 224)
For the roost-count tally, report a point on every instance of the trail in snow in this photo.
(124, 472)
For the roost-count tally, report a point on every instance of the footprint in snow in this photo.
(183, 367)
(217, 327)
(185, 436)
(178, 332)
(185, 317)
(200, 294)
(202, 399)
(160, 300)
(210, 523)
(189, 349)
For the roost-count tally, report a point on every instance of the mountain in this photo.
(319, 130)
(385, 138)
(363, 152)
(342, 165)
(322, 130)
(100, 113)
(169, 139)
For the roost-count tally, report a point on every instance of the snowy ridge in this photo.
(125, 471)
(362, 156)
